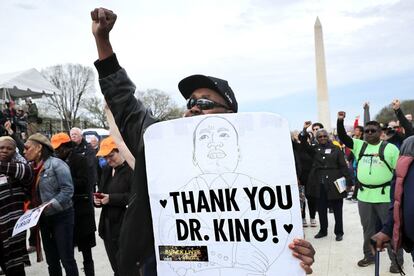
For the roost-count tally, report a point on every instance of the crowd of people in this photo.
(368, 161)
(373, 164)
(24, 119)
(64, 173)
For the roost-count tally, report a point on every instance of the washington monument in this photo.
(324, 115)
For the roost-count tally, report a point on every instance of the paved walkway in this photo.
(340, 258)
(332, 258)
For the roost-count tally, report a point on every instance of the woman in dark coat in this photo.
(15, 184)
(305, 161)
(112, 196)
(85, 227)
(328, 166)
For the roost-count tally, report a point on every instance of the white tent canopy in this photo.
(23, 84)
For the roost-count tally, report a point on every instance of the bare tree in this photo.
(95, 109)
(74, 82)
(160, 103)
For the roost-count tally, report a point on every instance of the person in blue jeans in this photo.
(53, 185)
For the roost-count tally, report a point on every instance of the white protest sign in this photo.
(28, 219)
(224, 195)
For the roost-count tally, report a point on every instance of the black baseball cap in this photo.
(189, 84)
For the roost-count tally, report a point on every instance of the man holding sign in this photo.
(205, 95)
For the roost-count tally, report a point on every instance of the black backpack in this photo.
(380, 153)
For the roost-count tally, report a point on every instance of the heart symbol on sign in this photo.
(163, 202)
(288, 227)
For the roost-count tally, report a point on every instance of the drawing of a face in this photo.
(216, 148)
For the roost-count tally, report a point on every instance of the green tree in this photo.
(387, 114)
(161, 104)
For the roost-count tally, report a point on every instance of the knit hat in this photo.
(58, 139)
(41, 139)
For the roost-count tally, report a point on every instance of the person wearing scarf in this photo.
(15, 180)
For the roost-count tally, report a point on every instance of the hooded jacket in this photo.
(136, 241)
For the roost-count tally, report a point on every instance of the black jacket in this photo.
(136, 241)
(82, 201)
(328, 165)
(89, 153)
(305, 160)
(397, 138)
(118, 188)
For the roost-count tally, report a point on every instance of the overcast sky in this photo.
(264, 48)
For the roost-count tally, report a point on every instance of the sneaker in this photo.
(313, 222)
(320, 235)
(395, 269)
(304, 223)
(365, 262)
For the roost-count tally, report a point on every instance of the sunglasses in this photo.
(322, 136)
(203, 104)
(370, 130)
(316, 129)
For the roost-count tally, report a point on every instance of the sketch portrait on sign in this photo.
(216, 146)
(216, 154)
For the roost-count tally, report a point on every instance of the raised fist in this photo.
(307, 124)
(341, 115)
(396, 104)
(7, 125)
(103, 21)
(366, 105)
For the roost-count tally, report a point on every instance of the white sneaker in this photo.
(304, 223)
(313, 222)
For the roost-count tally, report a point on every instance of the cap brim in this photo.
(55, 145)
(104, 152)
(188, 85)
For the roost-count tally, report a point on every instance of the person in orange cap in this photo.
(113, 197)
(85, 227)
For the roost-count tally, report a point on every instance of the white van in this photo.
(99, 133)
